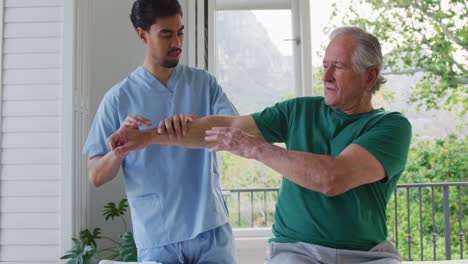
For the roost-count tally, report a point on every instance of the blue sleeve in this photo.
(220, 103)
(105, 123)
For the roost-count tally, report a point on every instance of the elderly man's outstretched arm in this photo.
(173, 132)
(329, 175)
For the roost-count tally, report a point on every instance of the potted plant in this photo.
(86, 251)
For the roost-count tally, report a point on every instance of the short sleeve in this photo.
(273, 121)
(220, 103)
(106, 122)
(388, 141)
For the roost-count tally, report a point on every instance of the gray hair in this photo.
(367, 53)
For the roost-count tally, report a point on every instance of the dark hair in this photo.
(145, 12)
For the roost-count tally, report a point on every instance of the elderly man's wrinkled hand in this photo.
(233, 140)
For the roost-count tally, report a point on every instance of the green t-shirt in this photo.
(355, 219)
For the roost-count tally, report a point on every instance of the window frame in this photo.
(300, 15)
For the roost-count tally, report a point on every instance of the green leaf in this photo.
(114, 257)
(67, 256)
(74, 251)
(80, 254)
(89, 238)
(73, 261)
(89, 250)
(127, 249)
(123, 205)
(111, 210)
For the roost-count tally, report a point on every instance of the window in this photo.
(255, 67)
(257, 56)
(254, 57)
(260, 55)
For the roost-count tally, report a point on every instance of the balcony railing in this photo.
(425, 221)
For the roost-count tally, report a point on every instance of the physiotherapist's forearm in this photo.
(102, 169)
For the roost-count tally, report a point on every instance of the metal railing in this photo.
(418, 215)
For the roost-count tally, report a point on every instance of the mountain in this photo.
(251, 69)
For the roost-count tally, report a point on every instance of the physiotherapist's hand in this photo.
(234, 140)
(135, 121)
(176, 126)
(115, 140)
(131, 122)
(129, 139)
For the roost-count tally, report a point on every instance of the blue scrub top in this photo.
(173, 192)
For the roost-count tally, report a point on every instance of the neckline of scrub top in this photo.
(171, 83)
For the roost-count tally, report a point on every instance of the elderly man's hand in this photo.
(234, 140)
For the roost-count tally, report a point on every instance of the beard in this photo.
(169, 63)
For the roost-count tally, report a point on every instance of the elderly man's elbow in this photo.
(333, 185)
(331, 192)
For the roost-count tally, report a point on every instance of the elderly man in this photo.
(341, 165)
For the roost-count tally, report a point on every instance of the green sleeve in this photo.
(388, 141)
(273, 122)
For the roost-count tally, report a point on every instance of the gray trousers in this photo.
(304, 253)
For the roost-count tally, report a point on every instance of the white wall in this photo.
(114, 52)
(30, 131)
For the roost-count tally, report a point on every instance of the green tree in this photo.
(427, 36)
(440, 160)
